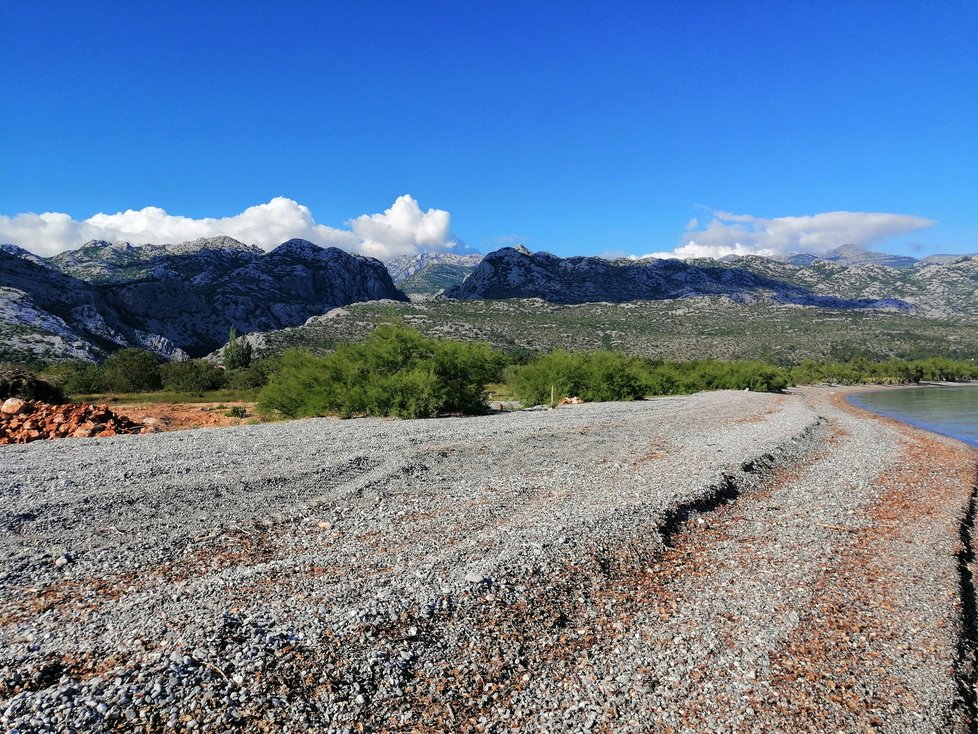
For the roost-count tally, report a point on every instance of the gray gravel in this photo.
(561, 570)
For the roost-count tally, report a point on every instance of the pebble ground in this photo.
(724, 562)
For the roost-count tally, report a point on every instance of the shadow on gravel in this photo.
(966, 666)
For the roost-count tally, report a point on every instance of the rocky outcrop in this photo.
(283, 288)
(48, 315)
(23, 421)
(101, 262)
(937, 287)
(518, 273)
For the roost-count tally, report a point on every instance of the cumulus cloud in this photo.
(403, 229)
(744, 234)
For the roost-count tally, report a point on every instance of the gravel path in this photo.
(720, 562)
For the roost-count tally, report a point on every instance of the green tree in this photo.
(192, 375)
(131, 370)
(75, 378)
(593, 376)
(237, 352)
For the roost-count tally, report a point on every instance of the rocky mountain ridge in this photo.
(175, 300)
(849, 255)
(936, 287)
(518, 273)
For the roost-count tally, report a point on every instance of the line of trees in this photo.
(398, 371)
(138, 371)
(861, 371)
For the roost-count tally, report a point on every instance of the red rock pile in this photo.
(23, 421)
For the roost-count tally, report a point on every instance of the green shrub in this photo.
(397, 371)
(237, 351)
(131, 370)
(75, 378)
(592, 376)
(708, 374)
(605, 376)
(252, 377)
(193, 375)
(18, 382)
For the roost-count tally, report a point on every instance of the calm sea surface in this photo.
(952, 411)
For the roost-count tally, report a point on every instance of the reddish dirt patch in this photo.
(182, 416)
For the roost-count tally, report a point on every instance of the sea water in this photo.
(951, 411)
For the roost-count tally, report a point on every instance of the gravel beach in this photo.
(722, 562)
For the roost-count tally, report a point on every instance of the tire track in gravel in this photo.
(824, 601)
(553, 629)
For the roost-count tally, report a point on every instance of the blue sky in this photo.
(578, 128)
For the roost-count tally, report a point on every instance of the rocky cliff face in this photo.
(431, 272)
(193, 299)
(103, 262)
(47, 315)
(174, 299)
(517, 273)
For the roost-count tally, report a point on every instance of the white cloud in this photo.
(744, 234)
(403, 229)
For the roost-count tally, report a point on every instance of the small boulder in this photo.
(12, 406)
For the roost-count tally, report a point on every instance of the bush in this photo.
(75, 378)
(253, 376)
(18, 382)
(604, 376)
(193, 375)
(397, 371)
(593, 376)
(131, 370)
(672, 378)
(237, 352)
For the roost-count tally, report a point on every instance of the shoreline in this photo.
(851, 399)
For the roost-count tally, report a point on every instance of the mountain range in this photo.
(181, 299)
(175, 300)
(933, 288)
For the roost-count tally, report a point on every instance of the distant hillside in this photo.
(933, 287)
(98, 261)
(431, 272)
(687, 328)
(181, 299)
(930, 288)
(518, 273)
(172, 299)
(851, 255)
(47, 315)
